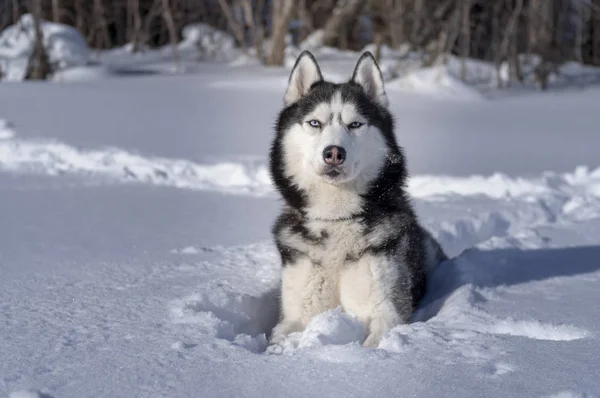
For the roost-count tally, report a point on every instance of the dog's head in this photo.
(332, 137)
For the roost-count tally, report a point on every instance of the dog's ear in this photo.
(368, 75)
(305, 73)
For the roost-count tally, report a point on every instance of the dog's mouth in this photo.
(333, 174)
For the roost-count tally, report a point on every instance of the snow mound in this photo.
(500, 185)
(56, 158)
(567, 74)
(226, 314)
(186, 250)
(6, 131)
(436, 82)
(66, 47)
(332, 327)
(571, 394)
(28, 394)
(209, 43)
(82, 74)
(269, 83)
(239, 308)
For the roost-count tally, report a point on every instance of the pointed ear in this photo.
(305, 73)
(368, 75)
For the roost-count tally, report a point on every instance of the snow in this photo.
(435, 81)
(28, 394)
(332, 327)
(56, 158)
(210, 43)
(5, 130)
(136, 256)
(66, 47)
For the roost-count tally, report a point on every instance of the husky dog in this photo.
(347, 234)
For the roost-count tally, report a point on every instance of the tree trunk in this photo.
(516, 72)
(234, 26)
(465, 39)
(418, 18)
(396, 22)
(282, 16)
(378, 44)
(344, 12)
(101, 25)
(120, 20)
(509, 32)
(496, 39)
(15, 12)
(306, 18)
(156, 9)
(255, 30)
(577, 54)
(39, 65)
(595, 34)
(135, 25)
(56, 10)
(173, 37)
(79, 21)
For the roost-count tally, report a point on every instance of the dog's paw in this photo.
(284, 328)
(371, 341)
(274, 349)
(374, 338)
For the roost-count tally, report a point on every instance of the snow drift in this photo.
(65, 45)
(209, 43)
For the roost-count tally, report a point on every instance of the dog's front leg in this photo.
(376, 290)
(305, 291)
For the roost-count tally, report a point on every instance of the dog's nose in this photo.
(334, 155)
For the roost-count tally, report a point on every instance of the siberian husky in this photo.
(347, 235)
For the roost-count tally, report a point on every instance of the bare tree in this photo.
(595, 32)
(252, 19)
(56, 10)
(39, 64)
(305, 15)
(281, 17)
(15, 11)
(493, 30)
(397, 21)
(509, 36)
(234, 26)
(579, 34)
(465, 37)
(135, 24)
(170, 22)
(344, 12)
(101, 27)
(79, 15)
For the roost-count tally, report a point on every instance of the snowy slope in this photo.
(136, 258)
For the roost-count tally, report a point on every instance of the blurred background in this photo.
(136, 203)
(495, 43)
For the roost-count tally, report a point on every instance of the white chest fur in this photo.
(328, 244)
(334, 268)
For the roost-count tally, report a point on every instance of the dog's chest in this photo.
(340, 242)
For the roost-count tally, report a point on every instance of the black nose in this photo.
(334, 155)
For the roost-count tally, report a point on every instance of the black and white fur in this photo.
(347, 235)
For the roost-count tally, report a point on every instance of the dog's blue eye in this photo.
(315, 123)
(355, 125)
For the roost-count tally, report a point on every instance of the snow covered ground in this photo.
(136, 260)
